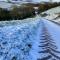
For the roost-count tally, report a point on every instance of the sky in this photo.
(38, 0)
(46, 0)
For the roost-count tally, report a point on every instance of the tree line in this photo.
(46, 6)
(24, 11)
(16, 13)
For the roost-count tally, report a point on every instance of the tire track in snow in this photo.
(22, 36)
(46, 37)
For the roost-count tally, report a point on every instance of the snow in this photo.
(53, 10)
(17, 37)
(21, 39)
(54, 31)
(53, 14)
(8, 5)
(51, 17)
(5, 5)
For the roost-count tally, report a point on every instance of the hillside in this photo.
(53, 14)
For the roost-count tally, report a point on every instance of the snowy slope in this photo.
(53, 14)
(5, 5)
(21, 40)
(17, 37)
(53, 10)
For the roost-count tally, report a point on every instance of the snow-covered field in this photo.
(53, 10)
(6, 5)
(20, 40)
(52, 14)
(16, 40)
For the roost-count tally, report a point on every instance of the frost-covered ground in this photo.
(20, 40)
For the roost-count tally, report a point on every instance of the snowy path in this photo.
(54, 30)
(22, 41)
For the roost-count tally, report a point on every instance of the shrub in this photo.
(16, 13)
(4, 14)
(22, 12)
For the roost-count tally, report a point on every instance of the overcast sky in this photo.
(46, 0)
(38, 0)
